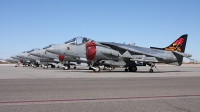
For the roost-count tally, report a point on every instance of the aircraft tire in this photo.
(151, 71)
(97, 69)
(52, 66)
(132, 69)
(67, 67)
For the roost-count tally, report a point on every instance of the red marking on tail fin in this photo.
(179, 42)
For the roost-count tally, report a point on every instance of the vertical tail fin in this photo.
(178, 45)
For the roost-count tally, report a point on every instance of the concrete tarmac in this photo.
(171, 88)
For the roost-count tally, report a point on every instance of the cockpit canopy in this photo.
(33, 50)
(78, 40)
(49, 46)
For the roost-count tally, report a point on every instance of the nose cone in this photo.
(51, 50)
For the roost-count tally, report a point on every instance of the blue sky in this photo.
(28, 24)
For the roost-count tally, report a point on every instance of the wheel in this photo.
(90, 68)
(45, 67)
(52, 66)
(126, 70)
(151, 70)
(74, 67)
(97, 69)
(67, 67)
(132, 69)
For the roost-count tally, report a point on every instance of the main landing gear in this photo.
(67, 67)
(131, 69)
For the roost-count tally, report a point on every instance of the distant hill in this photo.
(1, 59)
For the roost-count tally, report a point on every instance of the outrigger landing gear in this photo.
(151, 71)
(151, 65)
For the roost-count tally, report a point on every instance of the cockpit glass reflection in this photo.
(78, 40)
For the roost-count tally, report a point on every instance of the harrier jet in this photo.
(54, 58)
(76, 54)
(124, 55)
(34, 60)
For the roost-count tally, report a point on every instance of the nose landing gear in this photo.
(94, 67)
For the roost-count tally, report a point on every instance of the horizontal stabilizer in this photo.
(183, 54)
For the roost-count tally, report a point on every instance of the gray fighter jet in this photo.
(54, 58)
(128, 55)
(33, 60)
(123, 55)
(76, 54)
(21, 60)
(12, 60)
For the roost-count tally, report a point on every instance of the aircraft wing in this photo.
(140, 54)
